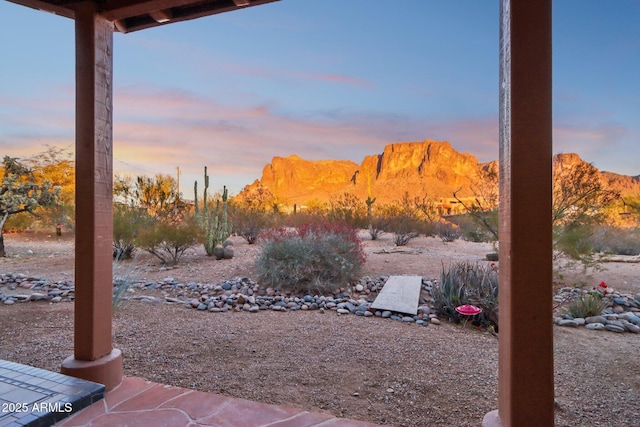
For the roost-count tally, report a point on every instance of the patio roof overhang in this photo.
(133, 15)
(526, 388)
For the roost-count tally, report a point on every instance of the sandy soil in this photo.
(364, 368)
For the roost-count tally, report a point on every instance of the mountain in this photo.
(423, 168)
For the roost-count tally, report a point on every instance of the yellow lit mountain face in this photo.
(428, 168)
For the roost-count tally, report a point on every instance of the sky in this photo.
(323, 79)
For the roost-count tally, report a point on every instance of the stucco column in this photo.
(94, 357)
(525, 372)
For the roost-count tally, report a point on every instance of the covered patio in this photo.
(526, 386)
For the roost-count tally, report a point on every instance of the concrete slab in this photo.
(400, 293)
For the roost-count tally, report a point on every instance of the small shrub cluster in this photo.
(468, 283)
(315, 257)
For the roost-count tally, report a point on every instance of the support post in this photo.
(94, 358)
(525, 368)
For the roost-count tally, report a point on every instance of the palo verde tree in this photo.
(20, 193)
(150, 214)
(579, 199)
(57, 166)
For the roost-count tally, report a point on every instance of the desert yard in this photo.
(367, 368)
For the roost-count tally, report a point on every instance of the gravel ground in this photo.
(372, 369)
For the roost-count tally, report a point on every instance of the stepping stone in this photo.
(399, 294)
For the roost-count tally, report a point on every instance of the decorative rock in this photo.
(408, 319)
(620, 301)
(435, 320)
(424, 309)
(56, 299)
(568, 322)
(630, 327)
(580, 321)
(614, 328)
(595, 319)
(386, 314)
(595, 326)
(343, 311)
(630, 317)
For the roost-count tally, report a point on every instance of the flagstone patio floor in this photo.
(137, 402)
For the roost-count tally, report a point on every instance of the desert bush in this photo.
(617, 241)
(249, 222)
(167, 240)
(405, 228)
(349, 209)
(315, 257)
(473, 230)
(468, 283)
(377, 226)
(127, 222)
(590, 304)
(446, 231)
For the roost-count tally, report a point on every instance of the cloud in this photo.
(157, 130)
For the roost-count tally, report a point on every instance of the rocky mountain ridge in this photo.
(430, 168)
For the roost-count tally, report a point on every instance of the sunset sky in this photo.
(325, 79)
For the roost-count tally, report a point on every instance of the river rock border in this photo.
(243, 294)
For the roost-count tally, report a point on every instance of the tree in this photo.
(579, 199)
(20, 193)
(56, 165)
(158, 195)
(484, 208)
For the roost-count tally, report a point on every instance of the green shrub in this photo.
(587, 305)
(468, 283)
(168, 241)
(127, 222)
(315, 257)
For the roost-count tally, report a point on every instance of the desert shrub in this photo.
(446, 231)
(572, 245)
(404, 227)
(349, 209)
(127, 222)
(614, 240)
(377, 225)
(315, 257)
(249, 222)
(168, 240)
(473, 230)
(468, 283)
(590, 304)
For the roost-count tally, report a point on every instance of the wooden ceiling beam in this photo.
(122, 9)
(57, 9)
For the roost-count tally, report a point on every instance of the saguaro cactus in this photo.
(216, 225)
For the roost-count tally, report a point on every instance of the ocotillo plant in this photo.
(216, 225)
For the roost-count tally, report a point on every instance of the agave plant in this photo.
(470, 283)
